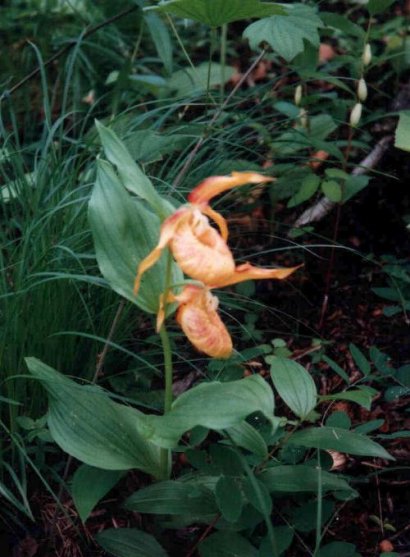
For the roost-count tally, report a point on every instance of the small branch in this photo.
(215, 117)
(322, 207)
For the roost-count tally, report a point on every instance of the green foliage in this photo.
(128, 542)
(89, 485)
(285, 33)
(294, 385)
(402, 140)
(89, 426)
(219, 12)
(260, 481)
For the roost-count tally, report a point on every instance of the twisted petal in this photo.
(198, 317)
(200, 250)
(215, 185)
(249, 272)
(168, 230)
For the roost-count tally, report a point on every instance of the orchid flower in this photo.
(203, 254)
(199, 249)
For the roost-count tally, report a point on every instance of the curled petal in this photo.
(200, 250)
(215, 185)
(249, 272)
(168, 229)
(198, 317)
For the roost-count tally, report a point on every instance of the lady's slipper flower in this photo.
(197, 311)
(200, 251)
(198, 317)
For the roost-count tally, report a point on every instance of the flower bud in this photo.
(362, 90)
(356, 114)
(303, 118)
(298, 95)
(367, 55)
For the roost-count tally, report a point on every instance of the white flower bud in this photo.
(367, 55)
(303, 118)
(356, 114)
(362, 90)
(298, 95)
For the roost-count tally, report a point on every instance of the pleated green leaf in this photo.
(129, 542)
(174, 498)
(131, 175)
(89, 486)
(294, 385)
(88, 425)
(301, 478)
(124, 232)
(338, 439)
(213, 405)
(218, 12)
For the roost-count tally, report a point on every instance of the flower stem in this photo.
(165, 454)
(166, 348)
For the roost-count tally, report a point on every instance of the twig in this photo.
(215, 117)
(322, 207)
(204, 535)
(65, 49)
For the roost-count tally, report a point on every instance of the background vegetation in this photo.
(190, 90)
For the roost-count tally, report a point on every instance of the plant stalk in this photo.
(165, 456)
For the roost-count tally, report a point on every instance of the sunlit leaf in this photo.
(285, 33)
(218, 12)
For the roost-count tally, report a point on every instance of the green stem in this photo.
(167, 353)
(165, 455)
(166, 348)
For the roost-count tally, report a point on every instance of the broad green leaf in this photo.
(174, 498)
(218, 12)
(339, 419)
(227, 544)
(229, 498)
(86, 424)
(89, 487)
(343, 23)
(194, 81)
(304, 518)
(354, 185)
(332, 438)
(160, 36)
(124, 232)
(129, 542)
(363, 396)
(337, 549)
(360, 359)
(402, 140)
(258, 495)
(301, 478)
(378, 6)
(332, 190)
(132, 177)
(294, 385)
(212, 405)
(286, 33)
(307, 189)
(246, 436)
(283, 536)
